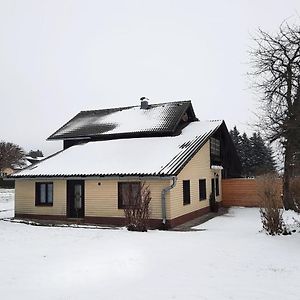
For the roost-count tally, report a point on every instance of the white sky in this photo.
(60, 57)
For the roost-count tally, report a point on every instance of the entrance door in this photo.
(75, 198)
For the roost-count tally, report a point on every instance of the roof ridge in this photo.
(132, 106)
(212, 120)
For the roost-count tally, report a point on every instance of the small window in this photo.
(44, 193)
(202, 189)
(215, 147)
(186, 192)
(128, 193)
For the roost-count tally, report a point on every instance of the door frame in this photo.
(70, 193)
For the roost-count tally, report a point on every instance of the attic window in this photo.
(215, 147)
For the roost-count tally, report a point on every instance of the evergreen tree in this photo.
(262, 156)
(236, 138)
(256, 157)
(270, 161)
(237, 141)
(246, 156)
(35, 154)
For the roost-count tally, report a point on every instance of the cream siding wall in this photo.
(25, 198)
(197, 168)
(102, 200)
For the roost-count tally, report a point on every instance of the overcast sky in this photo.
(60, 57)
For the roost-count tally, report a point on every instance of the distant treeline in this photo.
(255, 155)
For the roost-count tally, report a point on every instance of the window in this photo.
(215, 147)
(217, 187)
(186, 192)
(202, 189)
(127, 192)
(44, 193)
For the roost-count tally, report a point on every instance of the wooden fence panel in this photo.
(241, 192)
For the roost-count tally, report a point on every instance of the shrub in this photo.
(137, 210)
(271, 205)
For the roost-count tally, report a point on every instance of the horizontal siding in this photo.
(197, 168)
(102, 200)
(25, 198)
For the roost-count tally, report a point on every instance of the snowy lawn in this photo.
(230, 259)
(7, 203)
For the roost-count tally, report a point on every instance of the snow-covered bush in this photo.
(271, 205)
(137, 210)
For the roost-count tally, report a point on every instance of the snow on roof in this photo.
(25, 163)
(153, 156)
(161, 117)
(34, 158)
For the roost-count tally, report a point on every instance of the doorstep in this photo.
(188, 226)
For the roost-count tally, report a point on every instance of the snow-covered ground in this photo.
(229, 259)
(7, 203)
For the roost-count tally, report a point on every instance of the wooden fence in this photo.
(241, 192)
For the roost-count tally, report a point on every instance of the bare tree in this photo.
(137, 210)
(276, 71)
(270, 205)
(11, 155)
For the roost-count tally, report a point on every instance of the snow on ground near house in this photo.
(230, 259)
(7, 203)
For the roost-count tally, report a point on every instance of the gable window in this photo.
(44, 193)
(186, 192)
(215, 147)
(128, 193)
(202, 189)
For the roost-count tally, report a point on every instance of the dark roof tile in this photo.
(157, 119)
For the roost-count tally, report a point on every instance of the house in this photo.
(6, 171)
(110, 151)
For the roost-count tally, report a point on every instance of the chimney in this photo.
(144, 103)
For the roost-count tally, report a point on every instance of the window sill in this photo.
(186, 203)
(44, 204)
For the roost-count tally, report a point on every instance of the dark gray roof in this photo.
(131, 121)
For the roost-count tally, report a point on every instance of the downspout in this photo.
(163, 199)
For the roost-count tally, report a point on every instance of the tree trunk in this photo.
(288, 201)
